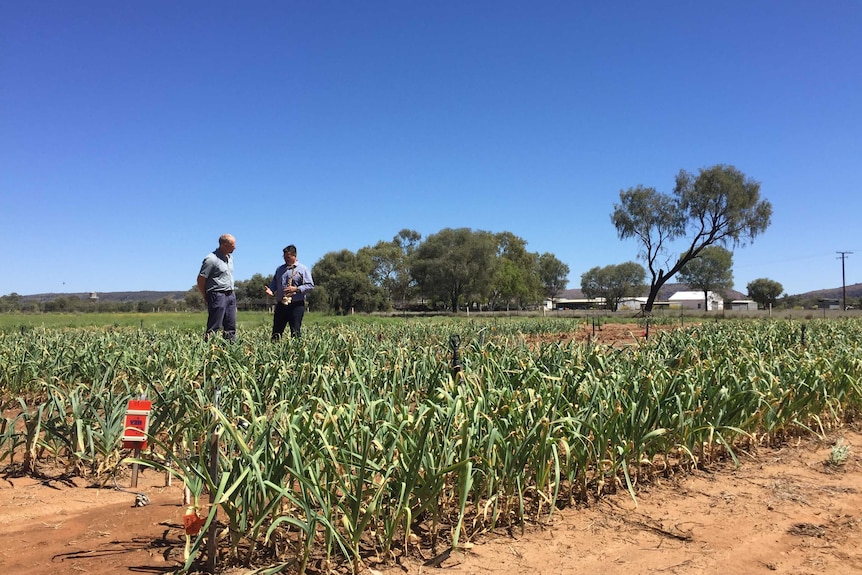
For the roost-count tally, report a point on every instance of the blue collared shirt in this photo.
(301, 279)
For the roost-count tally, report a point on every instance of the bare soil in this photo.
(784, 510)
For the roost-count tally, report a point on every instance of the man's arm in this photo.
(307, 281)
(202, 286)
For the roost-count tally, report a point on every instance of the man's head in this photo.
(289, 254)
(226, 244)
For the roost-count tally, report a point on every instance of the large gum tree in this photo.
(719, 206)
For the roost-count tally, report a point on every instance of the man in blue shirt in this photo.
(215, 282)
(290, 284)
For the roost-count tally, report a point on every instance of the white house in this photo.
(695, 300)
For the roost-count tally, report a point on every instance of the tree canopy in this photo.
(516, 276)
(390, 265)
(614, 282)
(345, 279)
(764, 291)
(553, 274)
(719, 206)
(455, 265)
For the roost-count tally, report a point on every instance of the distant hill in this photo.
(116, 296)
(853, 291)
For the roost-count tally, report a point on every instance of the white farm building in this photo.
(696, 300)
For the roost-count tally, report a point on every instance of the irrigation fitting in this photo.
(454, 343)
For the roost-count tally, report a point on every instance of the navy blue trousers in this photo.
(221, 308)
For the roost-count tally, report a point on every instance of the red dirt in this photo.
(783, 510)
(68, 527)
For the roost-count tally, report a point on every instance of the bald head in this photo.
(226, 244)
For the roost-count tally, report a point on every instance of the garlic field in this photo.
(368, 439)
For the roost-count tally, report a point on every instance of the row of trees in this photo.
(71, 303)
(447, 271)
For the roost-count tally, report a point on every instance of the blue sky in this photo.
(132, 134)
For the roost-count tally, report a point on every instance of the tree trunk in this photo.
(656, 284)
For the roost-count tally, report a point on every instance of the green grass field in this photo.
(192, 321)
(162, 320)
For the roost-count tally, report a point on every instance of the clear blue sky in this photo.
(132, 134)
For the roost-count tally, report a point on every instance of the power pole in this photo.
(843, 256)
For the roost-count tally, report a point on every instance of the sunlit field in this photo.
(365, 433)
(192, 321)
(161, 320)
